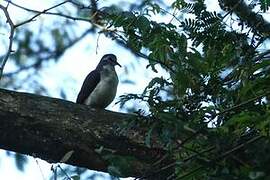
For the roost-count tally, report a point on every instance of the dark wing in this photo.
(88, 86)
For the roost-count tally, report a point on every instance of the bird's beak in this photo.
(116, 63)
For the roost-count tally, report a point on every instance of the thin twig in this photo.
(171, 14)
(40, 170)
(52, 54)
(41, 12)
(11, 36)
(50, 13)
(172, 164)
(238, 147)
(261, 56)
(64, 172)
(224, 112)
(88, 20)
(241, 104)
(223, 155)
(97, 46)
(189, 173)
(14, 26)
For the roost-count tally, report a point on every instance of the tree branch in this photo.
(49, 128)
(54, 54)
(14, 26)
(50, 13)
(245, 13)
(236, 148)
(11, 35)
(59, 14)
(40, 13)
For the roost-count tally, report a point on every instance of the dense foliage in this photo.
(212, 113)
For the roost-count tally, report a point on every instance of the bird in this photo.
(100, 85)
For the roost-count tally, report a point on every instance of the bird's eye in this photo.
(111, 59)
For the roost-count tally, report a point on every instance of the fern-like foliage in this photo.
(216, 91)
(203, 27)
(265, 5)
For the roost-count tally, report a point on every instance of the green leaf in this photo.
(75, 177)
(143, 24)
(265, 5)
(67, 156)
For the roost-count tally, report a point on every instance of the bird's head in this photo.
(108, 59)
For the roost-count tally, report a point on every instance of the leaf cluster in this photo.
(212, 113)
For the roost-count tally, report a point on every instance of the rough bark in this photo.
(49, 128)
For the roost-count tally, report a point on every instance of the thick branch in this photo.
(49, 128)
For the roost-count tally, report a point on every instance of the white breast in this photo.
(105, 91)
